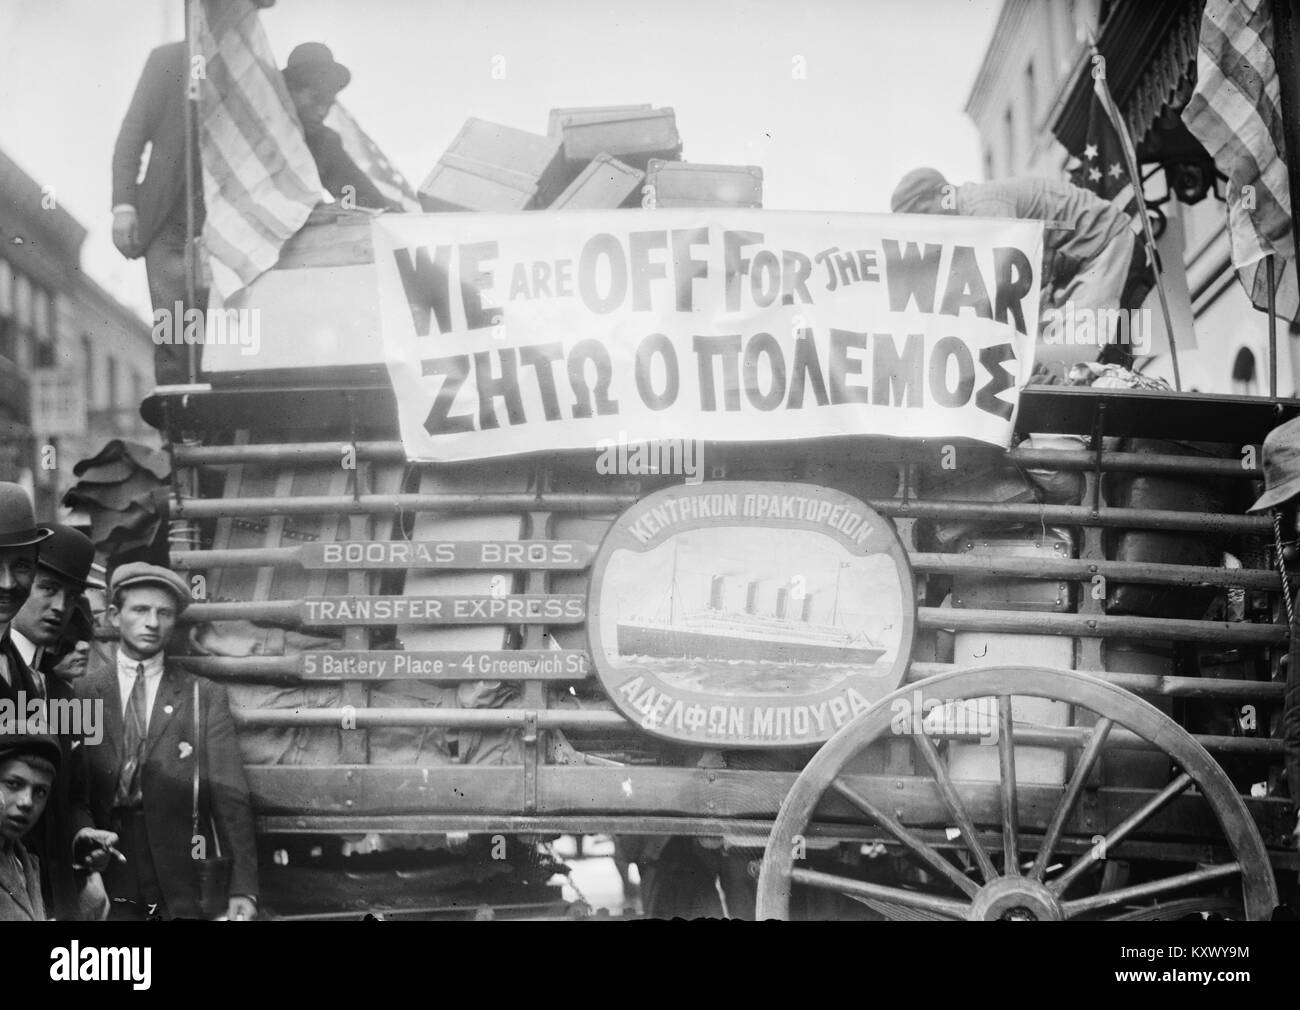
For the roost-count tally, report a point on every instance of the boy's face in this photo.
(24, 790)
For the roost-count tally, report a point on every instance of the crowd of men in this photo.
(124, 811)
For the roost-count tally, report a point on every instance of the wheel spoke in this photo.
(917, 846)
(1125, 828)
(952, 800)
(864, 889)
(1072, 793)
(1118, 897)
(1010, 807)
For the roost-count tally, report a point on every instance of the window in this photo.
(988, 162)
(1009, 138)
(1031, 96)
(88, 363)
(112, 383)
(1245, 381)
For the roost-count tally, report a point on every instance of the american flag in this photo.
(1236, 114)
(370, 159)
(1102, 167)
(259, 178)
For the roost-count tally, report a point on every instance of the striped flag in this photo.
(1236, 114)
(370, 159)
(259, 179)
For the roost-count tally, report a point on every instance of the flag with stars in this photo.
(370, 159)
(1102, 166)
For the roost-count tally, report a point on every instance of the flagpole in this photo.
(1130, 157)
(191, 353)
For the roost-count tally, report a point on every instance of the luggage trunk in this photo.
(680, 184)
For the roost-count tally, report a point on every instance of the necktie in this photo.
(133, 737)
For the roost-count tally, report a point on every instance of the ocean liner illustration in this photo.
(717, 632)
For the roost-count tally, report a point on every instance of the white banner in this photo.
(516, 333)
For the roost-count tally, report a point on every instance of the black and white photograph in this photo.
(607, 462)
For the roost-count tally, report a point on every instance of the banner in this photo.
(517, 333)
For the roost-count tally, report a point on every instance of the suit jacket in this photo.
(66, 813)
(156, 116)
(20, 676)
(337, 169)
(20, 888)
(167, 779)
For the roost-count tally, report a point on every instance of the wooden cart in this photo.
(1141, 820)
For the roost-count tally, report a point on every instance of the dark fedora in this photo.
(69, 553)
(17, 518)
(313, 63)
(1281, 466)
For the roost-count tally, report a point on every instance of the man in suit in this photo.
(149, 217)
(314, 80)
(141, 776)
(62, 571)
(29, 764)
(19, 537)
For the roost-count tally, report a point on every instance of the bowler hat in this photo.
(17, 519)
(313, 63)
(915, 189)
(139, 573)
(41, 745)
(1281, 465)
(68, 553)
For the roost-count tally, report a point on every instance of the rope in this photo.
(1281, 568)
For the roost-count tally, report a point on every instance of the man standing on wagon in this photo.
(1282, 493)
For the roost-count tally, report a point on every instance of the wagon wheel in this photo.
(1014, 891)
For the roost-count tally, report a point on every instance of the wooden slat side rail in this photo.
(711, 793)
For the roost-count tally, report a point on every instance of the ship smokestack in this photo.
(716, 590)
(806, 614)
(782, 601)
(751, 598)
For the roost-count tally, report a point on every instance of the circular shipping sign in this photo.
(749, 613)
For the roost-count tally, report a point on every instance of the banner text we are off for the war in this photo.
(558, 331)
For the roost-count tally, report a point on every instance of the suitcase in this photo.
(490, 167)
(588, 114)
(634, 136)
(681, 184)
(605, 183)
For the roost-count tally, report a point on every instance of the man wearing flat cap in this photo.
(62, 573)
(314, 80)
(1282, 497)
(29, 765)
(143, 775)
(19, 541)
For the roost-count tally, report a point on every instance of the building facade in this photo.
(1036, 56)
(74, 362)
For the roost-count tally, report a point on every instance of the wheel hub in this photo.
(1015, 899)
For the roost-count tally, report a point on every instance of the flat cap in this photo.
(915, 190)
(140, 573)
(18, 745)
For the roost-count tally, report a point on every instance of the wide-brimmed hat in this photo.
(139, 573)
(915, 190)
(313, 63)
(1281, 466)
(68, 553)
(17, 518)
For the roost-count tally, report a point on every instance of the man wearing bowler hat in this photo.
(19, 540)
(1281, 488)
(314, 80)
(142, 776)
(62, 573)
